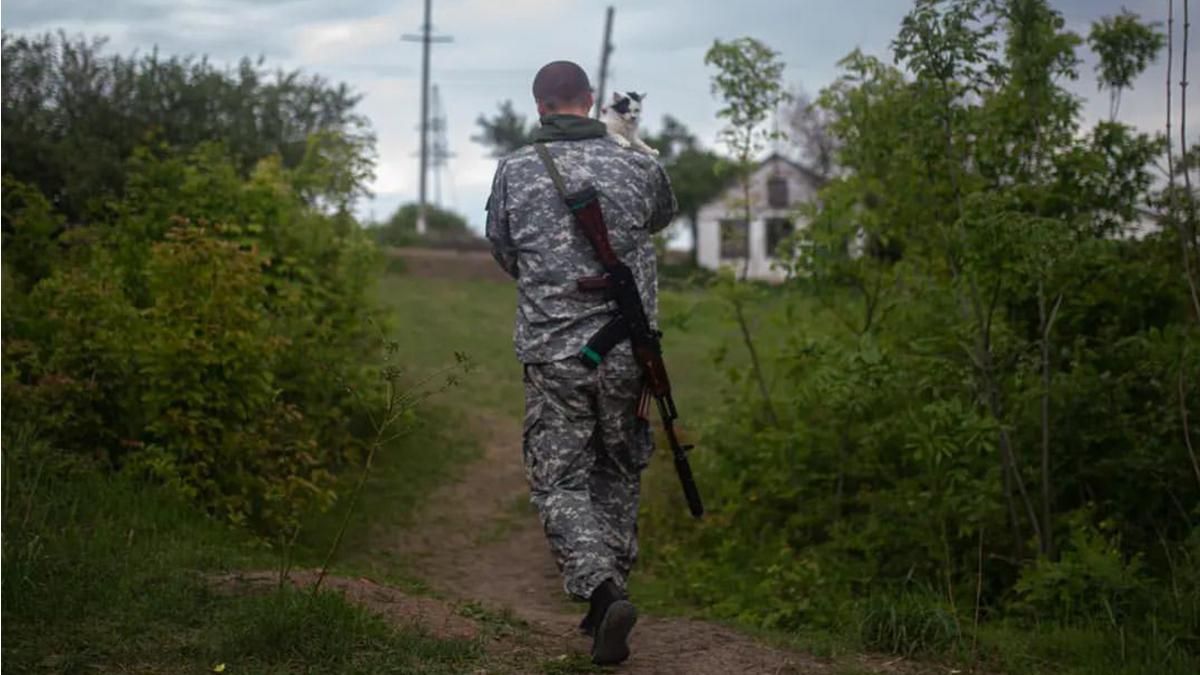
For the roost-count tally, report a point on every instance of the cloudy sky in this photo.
(499, 44)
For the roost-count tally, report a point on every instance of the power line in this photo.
(426, 38)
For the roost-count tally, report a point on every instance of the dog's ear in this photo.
(616, 97)
(642, 97)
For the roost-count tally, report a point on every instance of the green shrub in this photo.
(205, 335)
(991, 397)
(1092, 578)
(445, 228)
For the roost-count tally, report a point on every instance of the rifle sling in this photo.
(551, 169)
(615, 331)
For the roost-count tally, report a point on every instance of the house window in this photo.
(735, 238)
(778, 229)
(777, 192)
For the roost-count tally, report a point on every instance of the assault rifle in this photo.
(631, 323)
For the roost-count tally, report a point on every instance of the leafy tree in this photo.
(809, 130)
(748, 79)
(673, 138)
(73, 115)
(693, 171)
(1126, 47)
(444, 226)
(505, 132)
(202, 334)
(995, 422)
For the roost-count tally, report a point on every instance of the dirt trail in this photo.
(476, 542)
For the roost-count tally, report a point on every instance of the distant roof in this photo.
(776, 157)
(807, 172)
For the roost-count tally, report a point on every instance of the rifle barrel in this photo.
(682, 467)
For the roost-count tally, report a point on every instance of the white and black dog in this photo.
(621, 117)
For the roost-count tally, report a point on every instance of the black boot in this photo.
(604, 595)
(609, 620)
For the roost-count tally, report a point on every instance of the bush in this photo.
(445, 228)
(993, 400)
(204, 335)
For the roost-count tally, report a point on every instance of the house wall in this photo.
(800, 191)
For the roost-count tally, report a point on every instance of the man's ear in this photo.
(541, 108)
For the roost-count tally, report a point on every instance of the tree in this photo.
(673, 138)
(749, 81)
(693, 171)
(72, 117)
(809, 130)
(444, 226)
(505, 132)
(1126, 47)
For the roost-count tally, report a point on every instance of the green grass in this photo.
(436, 447)
(476, 317)
(103, 574)
(441, 317)
(1081, 650)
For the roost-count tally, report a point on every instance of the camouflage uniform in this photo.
(584, 446)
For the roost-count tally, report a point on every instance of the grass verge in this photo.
(102, 574)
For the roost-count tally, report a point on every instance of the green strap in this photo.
(551, 169)
(588, 353)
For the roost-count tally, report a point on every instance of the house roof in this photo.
(808, 173)
(774, 157)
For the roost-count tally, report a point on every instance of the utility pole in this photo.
(605, 50)
(426, 38)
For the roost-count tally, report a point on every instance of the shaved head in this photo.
(562, 86)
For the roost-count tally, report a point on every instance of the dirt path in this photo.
(479, 542)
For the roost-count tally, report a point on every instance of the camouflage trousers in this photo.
(584, 451)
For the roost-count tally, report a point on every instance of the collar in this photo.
(559, 127)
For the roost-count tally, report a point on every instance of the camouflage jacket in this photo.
(536, 241)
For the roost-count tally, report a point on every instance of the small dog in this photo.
(621, 117)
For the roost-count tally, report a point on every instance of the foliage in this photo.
(445, 227)
(748, 79)
(810, 132)
(73, 115)
(505, 132)
(201, 334)
(749, 82)
(986, 419)
(1126, 47)
(692, 169)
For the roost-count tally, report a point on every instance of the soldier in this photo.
(584, 444)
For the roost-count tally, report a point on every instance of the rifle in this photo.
(618, 284)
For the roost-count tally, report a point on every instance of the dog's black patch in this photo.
(634, 95)
(621, 106)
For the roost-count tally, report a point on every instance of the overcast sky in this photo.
(499, 44)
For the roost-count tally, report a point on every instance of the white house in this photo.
(777, 187)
